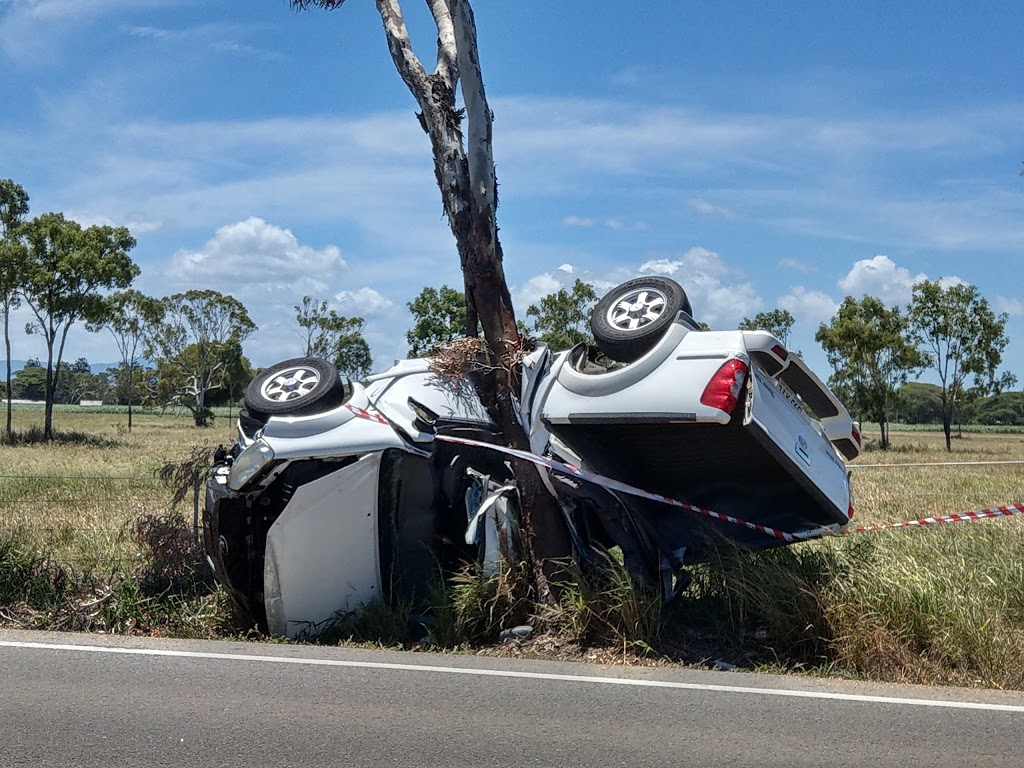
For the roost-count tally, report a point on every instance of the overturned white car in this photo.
(337, 493)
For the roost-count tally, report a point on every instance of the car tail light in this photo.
(723, 391)
(855, 433)
(780, 352)
(849, 512)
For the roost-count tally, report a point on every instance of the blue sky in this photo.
(762, 154)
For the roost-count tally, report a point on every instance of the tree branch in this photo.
(402, 54)
(480, 119)
(447, 65)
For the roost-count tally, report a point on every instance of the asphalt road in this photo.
(81, 700)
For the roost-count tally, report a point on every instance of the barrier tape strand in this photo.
(609, 483)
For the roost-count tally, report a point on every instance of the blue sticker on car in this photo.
(803, 449)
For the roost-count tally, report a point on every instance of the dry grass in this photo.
(894, 492)
(75, 499)
(942, 604)
(937, 605)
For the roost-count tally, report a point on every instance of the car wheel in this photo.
(297, 387)
(631, 318)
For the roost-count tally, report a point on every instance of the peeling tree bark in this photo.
(464, 170)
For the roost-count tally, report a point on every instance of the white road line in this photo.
(520, 675)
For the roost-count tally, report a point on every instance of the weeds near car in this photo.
(36, 435)
(37, 592)
(186, 476)
(604, 605)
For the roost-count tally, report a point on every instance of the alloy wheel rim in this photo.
(637, 308)
(290, 384)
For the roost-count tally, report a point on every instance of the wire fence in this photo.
(81, 521)
(86, 521)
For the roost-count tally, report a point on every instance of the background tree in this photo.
(562, 319)
(960, 336)
(13, 209)
(465, 175)
(778, 322)
(868, 347)
(130, 317)
(439, 317)
(77, 382)
(334, 337)
(30, 382)
(919, 403)
(237, 375)
(66, 270)
(195, 344)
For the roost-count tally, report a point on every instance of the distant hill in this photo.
(17, 365)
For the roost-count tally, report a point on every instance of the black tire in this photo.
(298, 387)
(628, 332)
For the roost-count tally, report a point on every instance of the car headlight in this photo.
(249, 463)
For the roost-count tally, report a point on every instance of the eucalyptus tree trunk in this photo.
(464, 170)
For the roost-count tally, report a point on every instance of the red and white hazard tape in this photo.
(609, 483)
(1009, 510)
(363, 413)
(616, 485)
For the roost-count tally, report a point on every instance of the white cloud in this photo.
(254, 258)
(661, 266)
(719, 294)
(698, 261)
(363, 302)
(136, 225)
(533, 290)
(809, 308)
(577, 221)
(567, 268)
(949, 281)
(1011, 305)
(879, 276)
(32, 29)
(710, 209)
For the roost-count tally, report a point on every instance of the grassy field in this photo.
(943, 604)
(938, 604)
(75, 496)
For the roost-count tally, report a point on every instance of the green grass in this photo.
(86, 538)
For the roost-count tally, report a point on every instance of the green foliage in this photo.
(333, 337)
(197, 345)
(66, 271)
(29, 383)
(781, 592)
(34, 435)
(960, 336)
(919, 403)
(439, 317)
(778, 322)
(37, 591)
(562, 319)
(130, 317)
(13, 209)
(604, 605)
(472, 607)
(868, 347)
(1006, 408)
